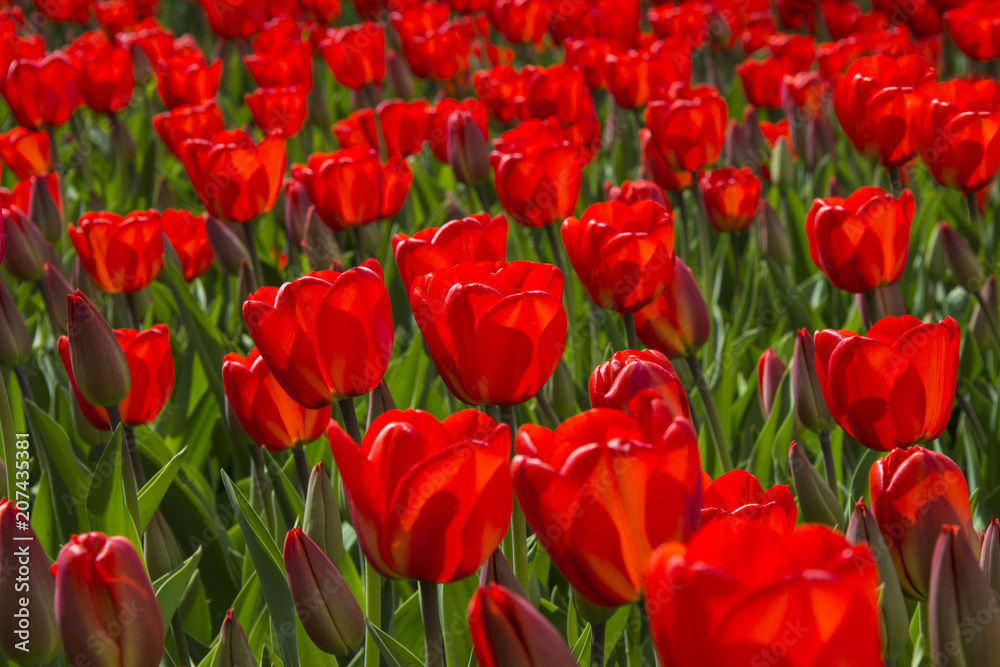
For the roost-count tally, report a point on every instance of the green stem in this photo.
(633, 637)
(872, 308)
(974, 219)
(301, 468)
(373, 609)
(597, 645)
(481, 194)
(518, 525)
(555, 245)
(133, 310)
(895, 181)
(131, 488)
(258, 272)
(631, 338)
(262, 484)
(711, 414)
(22, 382)
(990, 320)
(346, 406)
(547, 410)
(430, 612)
(180, 640)
(828, 464)
(704, 237)
(133, 453)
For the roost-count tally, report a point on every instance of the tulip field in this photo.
(510, 333)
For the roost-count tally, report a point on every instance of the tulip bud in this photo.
(756, 143)
(816, 500)
(234, 649)
(807, 395)
(319, 244)
(27, 250)
(735, 149)
(563, 391)
(468, 151)
(142, 69)
(773, 235)
(507, 630)
(160, 547)
(833, 188)
(862, 528)
(496, 570)
(782, 165)
(962, 260)
(15, 340)
(99, 364)
(990, 558)
(105, 606)
(979, 323)
(81, 279)
(28, 631)
(226, 244)
(820, 141)
(328, 611)
(400, 76)
(163, 198)
(935, 262)
(964, 618)
(677, 322)
(296, 211)
(321, 521)
(770, 370)
(43, 210)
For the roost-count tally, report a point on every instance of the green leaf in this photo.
(267, 561)
(455, 598)
(763, 449)
(153, 491)
(581, 649)
(56, 453)
(9, 441)
(408, 625)
(106, 506)
(392, 651)
(170, 587)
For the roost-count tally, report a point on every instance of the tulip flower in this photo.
(351, 187)
(27, 153)
(521, 21)
(972, 25)
(235, 178)
(588, 55)
(356, 54)
(41, 91)
(893, 387)
(430, 500)
(738, 496)
(105, 606)
(280, 109)
(468, 154)
(688, 127)
(507, 630)
(103, 72)
(121, 255)
(676, 323)
(614, 383)
(770, 370)
(476, 238)
(266, 412)
(706, 600)
(193, 121)
(72, 11)
(861, 242)
(495, 332)
(989, 561)
(150, 367)
(654, 163)
(877, 101)
(591, 489)
(329, 613)
(631, 192)
(624, 255)
(914, 493)
(15, 340)
(404, 126)
(558, 94)
(188, 236)
(285, 324)
(731, 198)
(761, 80)
(186, 78)
(501, 89)
(635, 75)
(280, 56)
(99, 365)
(28, 632)
(26, 248)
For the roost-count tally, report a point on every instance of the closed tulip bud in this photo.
(27, 250)
(15, 340)
(227, 246)
(820, 141)
(964, 616)
(962, 260)
(563, 391)
(296, 207)
(816, 499)
(979, 323)
(677, 322)
(328, 611)
(990, 559)
(163, 198)
(160, 547)
(614, 383)
(105, 606)
(234, 649)
(98, 362)
(468, 152)
(770, 370)
(782, 165)
(57, 289)
(807, 394)
(736, 148)
(496, 570)
(863, 528)
(321, 521)
(773, 235)
(44, 211)
(320, 245)
(833, 188)
(756, 142)
(400, 76)
(28, 631)
(507, 630)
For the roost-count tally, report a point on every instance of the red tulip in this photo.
(188, 236)
(974, 27)
(438, 116)
(877, 102)
(151, 368)
(21, 195)
(502, 90)
(761, 81)
(194, 121)
(688, 126)
(265, 411)
(631, 192)
(958, 133)
(588, 55)
(915, 492)
(234, 178)
(70, 11)
(690, 20)
(731, 198)
(358, 129)
(356, 54)
(495, 332)
(507, 630)
(120, 254)
(804, 92)
(442, 51)
(185, 78)
(27, 153)
(632, 75)
(623, 254)
(521, 20)
(742, 594)
(738, 496)
(100, 584)
(234, 19)
(103, 72)
(676, 323)
(404, 126)
(281, 57)
(281, 110)
(770, 370)
(468, 152)
(861, 242)
(476, 238)
(430, 500)
(617, 381)
(351, 187)
(41, 91)
(654, 163)
(604, 489)
(893, 387)
(799, 51)
(285, 324)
